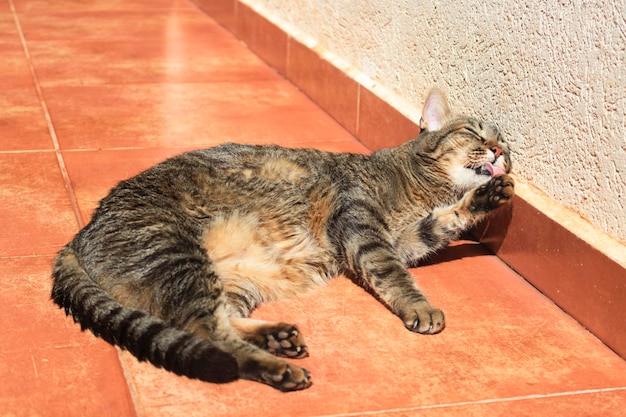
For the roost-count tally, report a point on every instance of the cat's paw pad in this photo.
(287, 377)
(425, 319)
(286, 340)
(499, 190)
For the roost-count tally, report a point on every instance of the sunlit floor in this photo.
(92, 92)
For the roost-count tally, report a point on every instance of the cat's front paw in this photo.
(424, 318)
(499, 190)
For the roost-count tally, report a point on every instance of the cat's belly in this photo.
(264, 260)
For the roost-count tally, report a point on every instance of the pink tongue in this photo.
(493, 170)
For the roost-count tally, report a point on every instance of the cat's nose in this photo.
(497, 151)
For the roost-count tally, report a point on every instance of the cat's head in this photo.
(466, 150)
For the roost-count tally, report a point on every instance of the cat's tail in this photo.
(145, 336)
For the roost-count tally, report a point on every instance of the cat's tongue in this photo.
(493, 170)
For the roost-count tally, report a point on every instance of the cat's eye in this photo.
(474, 133)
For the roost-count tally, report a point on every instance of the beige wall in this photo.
(551, 74)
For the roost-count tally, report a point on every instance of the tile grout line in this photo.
(478, 402)
(66, 179)
(131, 384)
(21, 151)
(38, 255)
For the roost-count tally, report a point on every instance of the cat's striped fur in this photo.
(176, 258)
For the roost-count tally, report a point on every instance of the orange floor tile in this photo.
(95, 91)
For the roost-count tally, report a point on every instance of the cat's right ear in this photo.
(435, 111)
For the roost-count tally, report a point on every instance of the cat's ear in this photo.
(435, 111)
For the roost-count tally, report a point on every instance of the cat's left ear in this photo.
(435, 111)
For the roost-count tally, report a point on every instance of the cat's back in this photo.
(211, 172)
(194, 188)
(238, 164)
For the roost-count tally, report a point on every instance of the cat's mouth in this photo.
(489, 169)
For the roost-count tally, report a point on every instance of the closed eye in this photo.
(474, 133)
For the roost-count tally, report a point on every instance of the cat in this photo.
(176, 258)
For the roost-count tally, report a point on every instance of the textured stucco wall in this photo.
(551, 74)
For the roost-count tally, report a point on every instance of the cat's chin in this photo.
(466, 178)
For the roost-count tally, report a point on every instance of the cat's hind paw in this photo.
(292, 378)
(287, 342)
(280, 339)
(278, 374)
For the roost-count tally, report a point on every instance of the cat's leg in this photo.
(434, 232)
(205, 312)
(280, 339)
(254, 363)
(364, 242)
(379, 265)
(381, 261)
(445, 224)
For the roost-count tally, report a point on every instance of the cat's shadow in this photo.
(466, 247)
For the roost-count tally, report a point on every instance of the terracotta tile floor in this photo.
(95, 91)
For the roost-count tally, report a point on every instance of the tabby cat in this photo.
(175, 259)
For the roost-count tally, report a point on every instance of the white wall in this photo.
(551, 74)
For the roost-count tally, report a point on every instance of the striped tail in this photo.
(145, 336)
